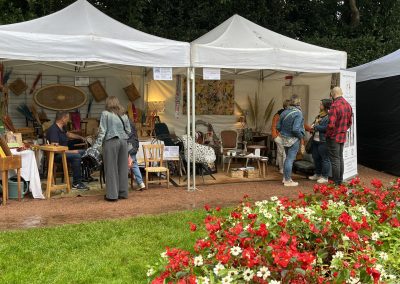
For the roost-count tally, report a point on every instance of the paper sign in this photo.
(162, 73)
(81, 81)
(171, 152)
(211, 74)
(257, 152)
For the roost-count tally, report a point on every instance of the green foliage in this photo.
(98, 252)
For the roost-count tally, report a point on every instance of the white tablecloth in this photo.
(30, 172)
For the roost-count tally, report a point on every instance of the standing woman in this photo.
(113, 136)
(319, 148)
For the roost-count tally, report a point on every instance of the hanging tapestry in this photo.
(213, 97)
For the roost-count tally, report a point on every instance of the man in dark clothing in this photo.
(340, 120)
(56, 134)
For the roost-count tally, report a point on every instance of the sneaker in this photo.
(322, 180)
(290, 183)
(141, 186)
(80, 186)
(281, 171)
(314, 177)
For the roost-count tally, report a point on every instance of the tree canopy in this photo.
(365, 29)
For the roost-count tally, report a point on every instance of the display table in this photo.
(247, 157)
(30, 171)
(51, 150)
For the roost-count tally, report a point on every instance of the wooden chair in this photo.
(153, 154)
(229, 141)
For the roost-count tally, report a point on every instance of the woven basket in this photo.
(18, 86)
(60, 97)
(236, 173)
(132, 92)
(251, 174)
(97, 90)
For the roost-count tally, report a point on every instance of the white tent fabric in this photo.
(383, 67)
(80, 32)
(240, 43)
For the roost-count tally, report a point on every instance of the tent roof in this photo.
(383, 67)
(239, 43)
(80, 32)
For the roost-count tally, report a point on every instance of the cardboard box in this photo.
(236, 173)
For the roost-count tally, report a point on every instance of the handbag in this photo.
(309, 144)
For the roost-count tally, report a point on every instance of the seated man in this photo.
(56, 134)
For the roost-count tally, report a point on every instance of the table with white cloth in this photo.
(30, 172)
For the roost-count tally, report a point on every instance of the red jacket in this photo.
(340, 120)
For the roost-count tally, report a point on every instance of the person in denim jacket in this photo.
(319, 148)
(291, 128)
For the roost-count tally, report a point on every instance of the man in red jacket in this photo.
(340, 120)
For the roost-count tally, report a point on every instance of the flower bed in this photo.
(345, 234)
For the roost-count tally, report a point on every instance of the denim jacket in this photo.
(291, 123)
(111, 126)
(321, 128)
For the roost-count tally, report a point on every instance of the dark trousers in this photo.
(335, 151)
(321, 159)
(74, 160)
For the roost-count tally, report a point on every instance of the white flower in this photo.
(233, 272)
(248, 274)
(150, 271)
(338, 254)
(164, 255)
(203, 280)
(375, 236)
(274, 198)
(263, 273)
(383, 255)
(268, 215)
(289, 218)
(198, 260)
(218, 267)
(246, 227)
(274, 282)
(246, 210)
(236, 251)
(227, 279)
(353, 280)
(210, 255)
(345, 238)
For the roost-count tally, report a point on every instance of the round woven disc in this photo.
(60, 97)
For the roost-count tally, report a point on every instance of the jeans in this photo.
(335, 151)
(321, 159)
(74, 160)
(280, 153)
(136, 170)
(291, 153)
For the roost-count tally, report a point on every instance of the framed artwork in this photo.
(213, 97)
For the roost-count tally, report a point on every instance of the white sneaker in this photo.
(141, 186)
(281, 171)
(290, 183)
(314, 177)
(322, 180)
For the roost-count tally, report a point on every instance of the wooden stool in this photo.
(264, 162)
(10, 163)
(51, 150)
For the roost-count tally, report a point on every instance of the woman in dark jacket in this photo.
(319, 147)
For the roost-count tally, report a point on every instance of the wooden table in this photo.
(51, 150)
(254, 147)
(10, 163)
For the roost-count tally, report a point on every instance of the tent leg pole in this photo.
(193, 75)
(188, 125)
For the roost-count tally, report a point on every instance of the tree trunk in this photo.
(355, 13)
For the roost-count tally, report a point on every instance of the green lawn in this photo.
(98, 252)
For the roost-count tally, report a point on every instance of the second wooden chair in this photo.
(153, 158)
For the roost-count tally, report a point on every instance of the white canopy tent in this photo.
(241, 44)
(82, 33)
(252, 50)
(383, 67)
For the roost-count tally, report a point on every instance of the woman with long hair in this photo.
(113, 135)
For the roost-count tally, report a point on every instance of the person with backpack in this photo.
(133, 147)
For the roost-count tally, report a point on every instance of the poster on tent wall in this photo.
(348, 86)
(213, 97)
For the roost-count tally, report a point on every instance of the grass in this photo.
(98, 252)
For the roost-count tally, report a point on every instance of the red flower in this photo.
(395, 222)
(218, 208)
(376, 183)
(193, 227)
(207, 207)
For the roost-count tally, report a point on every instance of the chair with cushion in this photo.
(153, 159)
(229, 141)
(304, 165)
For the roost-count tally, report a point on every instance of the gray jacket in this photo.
(111, 126)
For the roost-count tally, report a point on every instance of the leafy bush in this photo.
(345, 234)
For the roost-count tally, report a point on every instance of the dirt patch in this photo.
(73, 209)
